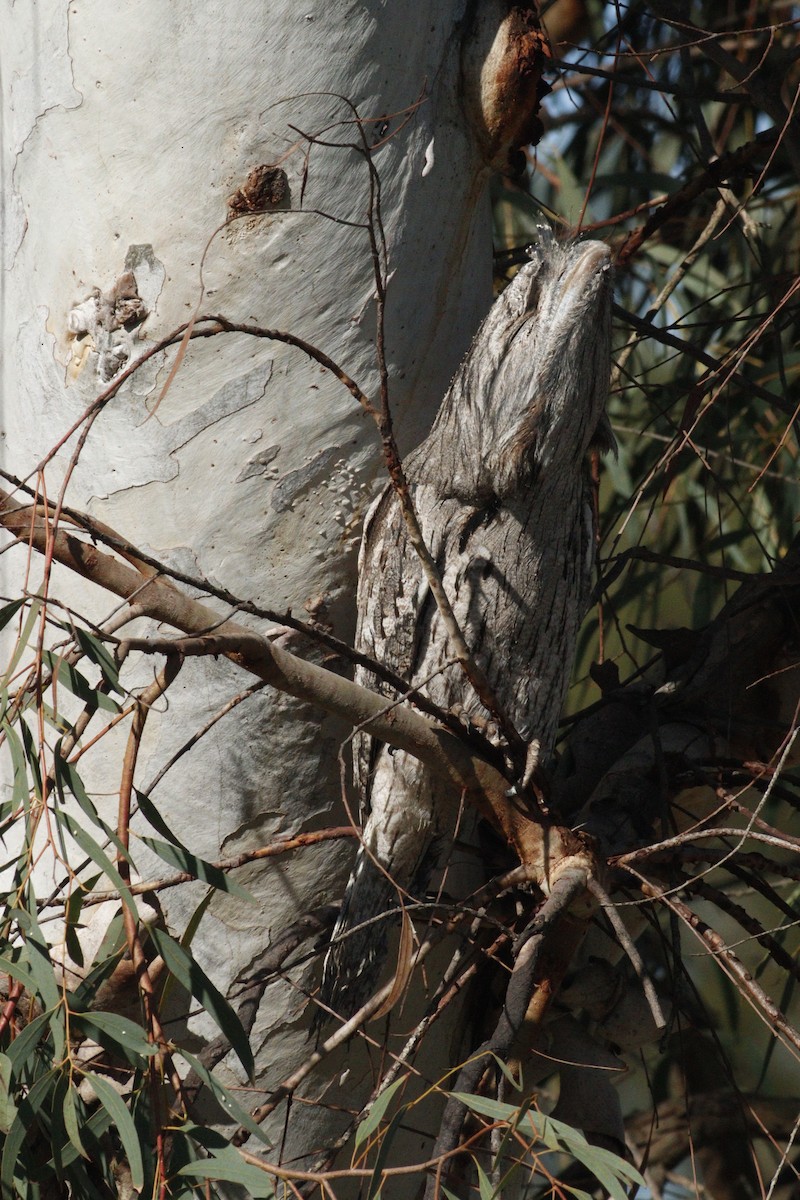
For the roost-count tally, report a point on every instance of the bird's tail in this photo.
(357, 949)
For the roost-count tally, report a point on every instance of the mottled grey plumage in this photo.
(501, 489)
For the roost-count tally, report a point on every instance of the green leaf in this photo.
(61, 725)
(9, 611)
(69, 1109)
(97, 651)
(24, 637)
(23, 1123)
(115, 1106)
(113, 942)
(24, 1045)
(72, 912)
(496, 1110)
(98, 856)
(113, 1031)
(232, 1168)
(19, 781)
(376, 1113)
(32, 756)
(38, 954)
(8, 1109)
(225, 1098)
(554, 1134)
(194, 921)
(178, 856)
(182, 858)
(484, 1183)
(106, 961)
(70, 678)
(148, 809)
(19, 972)
(187, 937)
(68, 779)
(93, 1129)
(376, 1179)
(190, 975)
(609, 1170)
(508, 1073)
(53, 1123)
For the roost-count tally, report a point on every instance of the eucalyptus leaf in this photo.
(116, 1108)
(23, 1124)
(229, 1166)
(376, 1113)
(69, 677)
(114, 1031)
(181, 858)
(225, 1098)
(98, 856)
(22, 1047)
(98, 652)
(70, 1106)
(191, 976)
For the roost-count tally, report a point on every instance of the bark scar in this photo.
(502, 59)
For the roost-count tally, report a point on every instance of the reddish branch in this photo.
(147, 992)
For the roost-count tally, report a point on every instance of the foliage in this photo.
(676, 140)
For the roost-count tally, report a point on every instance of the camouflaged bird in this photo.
(502, 491)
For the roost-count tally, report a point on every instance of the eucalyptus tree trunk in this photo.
(164, 161)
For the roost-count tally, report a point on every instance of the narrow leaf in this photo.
(70, 1112)
(26, 1042)
(117, 1109)
(8, 1109)
(148, 809)
(484, 1182)
(496, 1110)
(509, 1074)
(17, 971)
(225, 1098)
(98, 856)
(94, 1128)
(376, 1179)
(189, 973)
(97, 651)
(32, 757)
(9, 611)
(69, 677)
(23, 1123)
(376, 1113)
(19, 781)
(68, 779)
(38, 955)
(113, 1031)
(231, 1167)
(609, 1169)
(178, 856)
(24, 637)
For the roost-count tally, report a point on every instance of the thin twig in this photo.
(626, 942)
